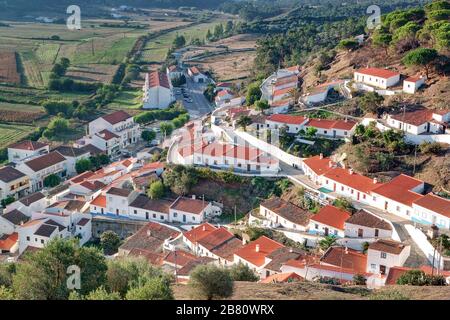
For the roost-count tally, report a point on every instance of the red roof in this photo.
(282, 277)
(199, 232)
(194, 70)
(45, 161)
(352, 180)
(282, 92)
(180, 258)
(215, 238)
(256, 257)
(332, 216)
(223, 93)
(435, 204)
(107, 135)
(190, 205)
(157, 79)
(413, 79)
(281, 103)
(398, 189)
(82, 176)
(331, 124)
(377, 72)
(345, 258)
(100, 201)
(318, 165)
(27, 145)
(116, 117)
(8, 241)
(394, 274)
(286, 118)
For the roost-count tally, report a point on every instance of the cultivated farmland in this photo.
(8, 68)
(10, 133)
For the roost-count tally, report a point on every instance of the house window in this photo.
(345, 133)
(325, 131)
(175, 214)
(42, 241)
(135, 211)
(373, 265)
(162, 217)
(154, 216)
(383, 255)
(316, 226)
(28, 238)
(342, 188)
(397, 208)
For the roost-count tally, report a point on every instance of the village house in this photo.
(144, 208)
(28, 204)
(420, 121)
(72, 155)
(9, 243)
(226, 156)
(329, 221)
(293, 123)
(19, 151)
(380, 78)
(280, 106)
(398, 195)
(412, 84)
(174, 72)
(315, 167)
(277, 258)
(118, 200)
(223, 97)
(158, 91)
(118, 123)
(384, 254)
(280, 84)
(254, 254)
(10, 221)
(37, 169)
(106, 141)
(13, 183)
(282, 278)
(432, 209)
(320, 92)
(285, 214)
(214, 242)
(196, 75)
(364, 224)
(192, 210)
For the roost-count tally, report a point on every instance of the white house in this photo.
(10, 221)
(72, 155)
(119, 123)
(223, 97)
(254, 254)
(280, 106)
(28, 204)
(118, 200)
(13, 183)
(380, 78)
(174, 72)
(158, 91)
(363, 224)
(398, 195)
(285, 214)
(384, 254)
(337, 129)
(329, 221)
(420, 121)
(191, 210)
(431, 209)
(280, 84)
(412, 84)
(106, 141)
(42, 166)
(196, 75)
(144, 208)
(19, 151)
(293, 123)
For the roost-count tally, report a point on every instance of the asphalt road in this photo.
(199, 105)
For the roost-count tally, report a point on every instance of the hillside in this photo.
(317, 291)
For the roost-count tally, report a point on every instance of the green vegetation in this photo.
(422, 57)
(180, 179)
(241, 272)
(208, 282)
(156, 190)
(327, 242)
(419, 278)
(110, 242)
(52, 181)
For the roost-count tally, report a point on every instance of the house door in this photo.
(248, 167)
(184, 218)
(376, 233)
(385, 205)
(101, 210)
(326, 232)
(357, 196)
(360, 233)
(117, 211)
(334, 133)
(334, 187)
(428, 127)
(382, 269)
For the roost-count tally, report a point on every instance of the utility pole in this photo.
(92, 46)
(415, 158)
(235, 220)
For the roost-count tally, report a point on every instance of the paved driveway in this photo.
(200, 105)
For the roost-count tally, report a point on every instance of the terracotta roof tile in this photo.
(398, 189)
(116, 117)
(28, 145)
(435, 204)
(158, 79)
(286, 118)
(377, 72)
(388, 246)
(8, 174)
(345, 258)
(282, 277)
(287, 211)
(190, 205)
(331, 216)
(256, 251)
(45, 161)
(366, 219)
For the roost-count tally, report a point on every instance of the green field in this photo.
(129, 99)
(10, 133)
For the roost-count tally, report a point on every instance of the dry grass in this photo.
(316, 291)
(103, 73)
(8, 68)
(229, 66)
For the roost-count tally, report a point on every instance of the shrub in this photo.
(241, 272)
(210, 282)
(110, 242)
(52, 181)
(156, 190)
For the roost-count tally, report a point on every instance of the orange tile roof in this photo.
(394, 274)
(28, 145)
(331, 124)
(100, 201)
(435, 204)
(215, 238)
(355, 180)
(286, 118)
(158, 79)
(377, 72)
(281, 103)
(199, 232)
(413, 78)
(345, 258)
(180, 258)
(81, 177)
(190, 205)
(282, 277)
(318, 165)
(398, 189)
(8, 241)
(331, 216)
(257, 258)
(282, 92)
(116, 117)
(389, 246)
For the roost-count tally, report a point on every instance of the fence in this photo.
(422, 242)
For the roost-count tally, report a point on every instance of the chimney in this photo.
(350, 171)
(257, 248)
(193, 196)
(291, 250)
(346, 250)
(321, 156)
(204, 228)
(243, 242)
(343, 165)
(330, 164)
(375, 180)
(149, 233)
